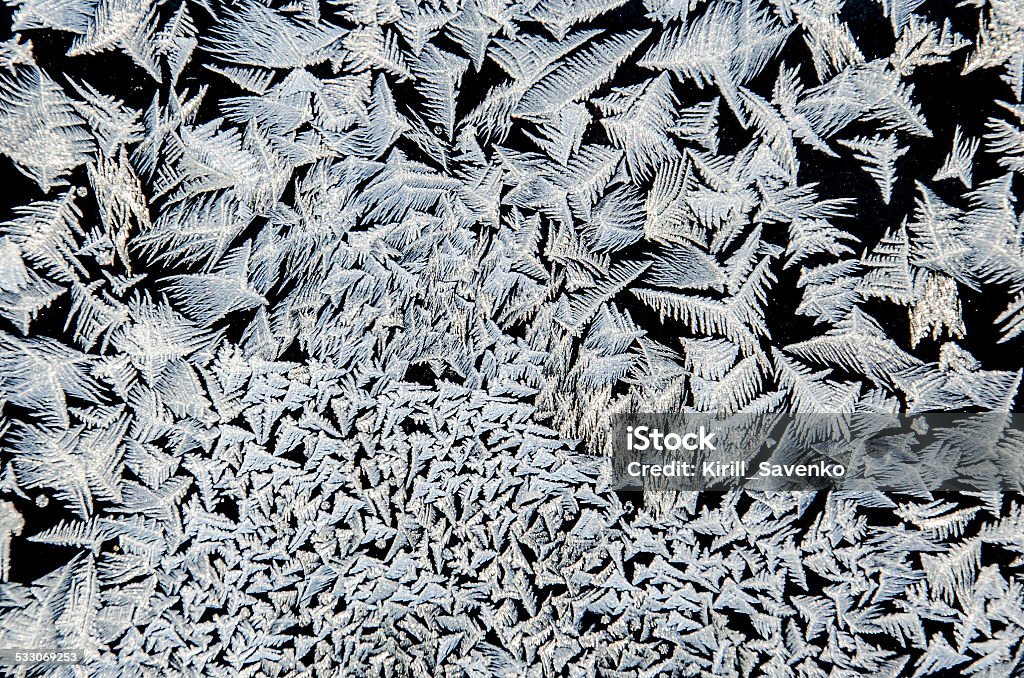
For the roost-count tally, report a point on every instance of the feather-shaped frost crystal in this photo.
(315, 318)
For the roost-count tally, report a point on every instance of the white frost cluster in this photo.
(313, 340)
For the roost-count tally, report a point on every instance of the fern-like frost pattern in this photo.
(314, 317)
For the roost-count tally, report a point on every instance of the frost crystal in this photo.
(314, 315)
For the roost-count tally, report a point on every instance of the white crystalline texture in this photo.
(314, 317)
